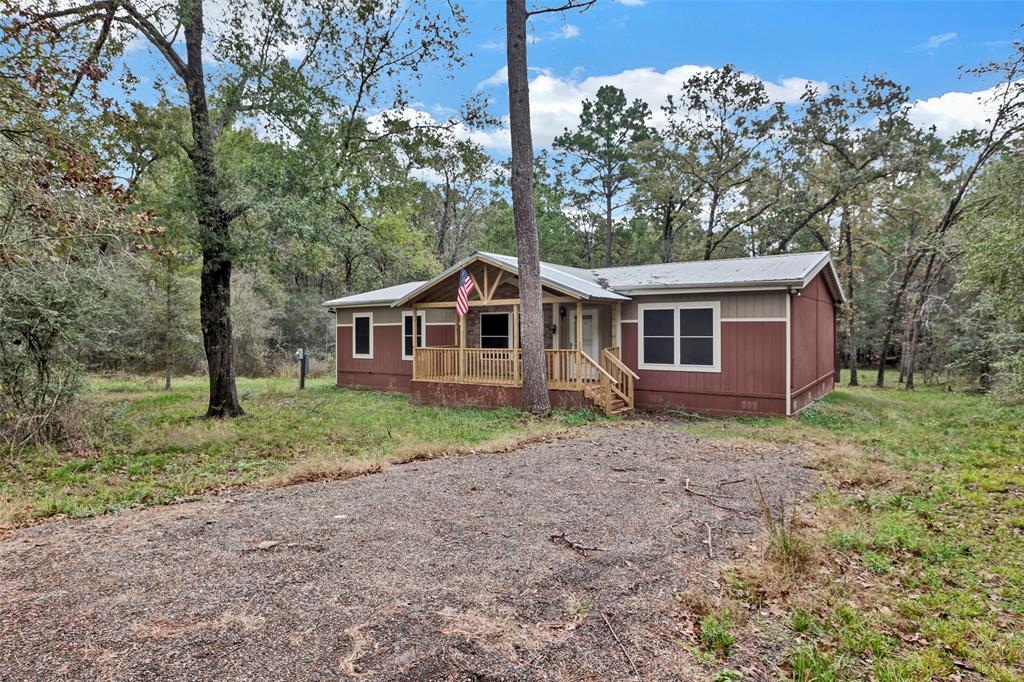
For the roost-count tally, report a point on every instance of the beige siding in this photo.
(381, 315)
(439, 315)
(742, 304)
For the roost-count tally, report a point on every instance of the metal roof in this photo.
(784, 269)
(376, 297)
(619, 283)
(577, 281)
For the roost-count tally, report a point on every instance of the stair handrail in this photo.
(621, 366)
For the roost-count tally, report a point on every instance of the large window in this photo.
(680, 336)
(362, 335)
(494, 330)
(407, 336)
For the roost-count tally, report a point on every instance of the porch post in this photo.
(515, 344)
(462, 345)
(616, 316)
(579, 344)
(415, 338)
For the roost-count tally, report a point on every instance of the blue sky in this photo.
(650, 47)
(921, 44)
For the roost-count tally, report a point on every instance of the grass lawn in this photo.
(150, 446)
(917, 568)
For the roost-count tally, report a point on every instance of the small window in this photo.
(494, 330)
(362, 335)
(407, 336)
(680, 336)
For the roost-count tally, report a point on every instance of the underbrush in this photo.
(909, 565)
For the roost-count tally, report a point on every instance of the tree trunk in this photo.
(922, 299)
(895, 305)
(851, 311)
(608, 230)
(667, 235)
(168, 331)
(535, 380)
(214, 229)
(709, 237)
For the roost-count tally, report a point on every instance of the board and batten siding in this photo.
(386, 370)
(752, 377)
(813, 330)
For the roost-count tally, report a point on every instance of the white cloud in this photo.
(955, 111)
(499, 77)
(556, 102)
(937, 41)
(632, 3)
(566, 32)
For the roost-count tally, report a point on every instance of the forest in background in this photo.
(326, 185)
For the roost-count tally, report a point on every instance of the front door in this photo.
(591, 338)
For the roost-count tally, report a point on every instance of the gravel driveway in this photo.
(555, 561)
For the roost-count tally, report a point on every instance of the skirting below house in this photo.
(477, 395)
(709, 403)
(803, 397)
(392, 382)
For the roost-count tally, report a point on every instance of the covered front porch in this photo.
(581, 337)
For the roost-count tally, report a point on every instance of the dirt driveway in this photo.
(556, 561)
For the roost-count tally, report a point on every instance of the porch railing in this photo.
(609, 384)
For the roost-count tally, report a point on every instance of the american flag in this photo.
(465, 286)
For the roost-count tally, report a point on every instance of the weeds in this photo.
(716, 635)
(786, 548)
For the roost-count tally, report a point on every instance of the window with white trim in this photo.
(494, 330)
(362, 335)
(407, 336)
(680, 336)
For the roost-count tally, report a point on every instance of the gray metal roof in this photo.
(577, 281)
(376, 297)
(619, 283)
(785, 269)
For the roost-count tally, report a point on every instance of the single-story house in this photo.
(754, 336)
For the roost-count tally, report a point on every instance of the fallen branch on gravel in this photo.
(712, 501)
(621, 646)
(711, 554)
(559, 538)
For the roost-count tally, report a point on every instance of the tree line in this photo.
(201, 232)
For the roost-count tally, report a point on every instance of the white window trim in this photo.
(366, 356)
(716, 328)
(422, 314)
(508, 325)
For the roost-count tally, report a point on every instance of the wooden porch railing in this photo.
(622, 375)
(609, 384)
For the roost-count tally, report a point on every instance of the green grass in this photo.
(922, 570)
(716, 634)
(147, 446)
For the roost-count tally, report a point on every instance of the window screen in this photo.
(696, 336)
(494, 330)
(659, 337)
(361, 329)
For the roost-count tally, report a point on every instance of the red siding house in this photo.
(754, 336)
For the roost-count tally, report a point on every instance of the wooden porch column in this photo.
(579, 344)
(616, 316)
(415, 338)
(462, 345)
(515, 344)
